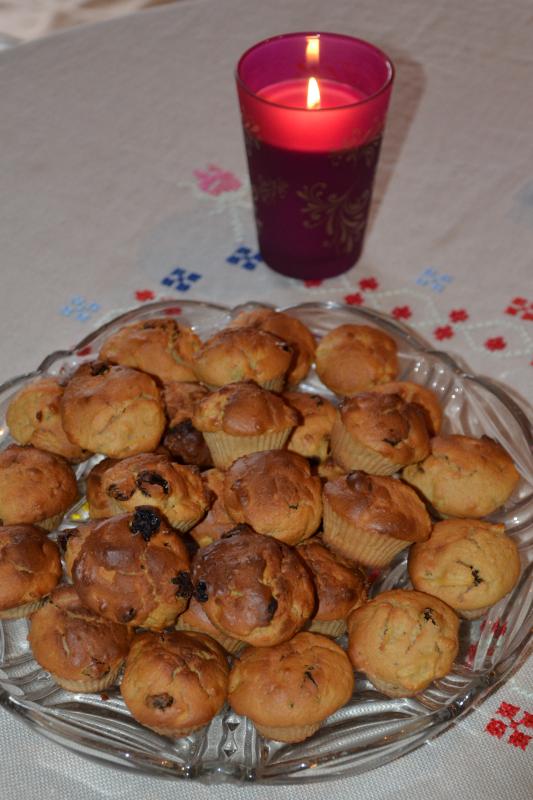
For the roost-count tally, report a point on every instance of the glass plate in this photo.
(371, 729)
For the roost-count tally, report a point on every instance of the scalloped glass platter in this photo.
(371, 729)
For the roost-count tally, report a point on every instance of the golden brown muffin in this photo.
(369, 519)
(35, 487)
(287, 328)
(253, 587)
(422, 396)
(468, 563)
(340, 587)
(379, 433)
(217, 521)
(243, 418)
(30, 567)
(161, 347)
(186, 444)
(243, 354)
(116, 411)
(403, 640)
(97, 499)
(311, 437)
(195, 619)
(290, 689)
(175, 683)
(132, 569)
(151, 480)
(275, 493)
(34, 417)
(355, 358)
(463, 476)
(82, 651)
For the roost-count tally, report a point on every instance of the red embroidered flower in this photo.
(84, 351)
(368, 283)
(507, 710)
(312, 282)
(519, 739)
(444, 332)
(458, 315)
(496, 343)
(512, 310)
(355, 299)
(527, 720)
(144, 294)
(402, 312)
(172, 312)
(496, 728)
(527, 315)
(519, 301)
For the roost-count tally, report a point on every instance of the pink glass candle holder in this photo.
(312, 155)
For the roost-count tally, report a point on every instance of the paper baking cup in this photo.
(95, 685)
(290, 733)
(227, 642)
(354, 455)
(365, 547)
(24, 610)
(225, 448)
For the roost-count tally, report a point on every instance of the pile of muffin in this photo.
(235, 520)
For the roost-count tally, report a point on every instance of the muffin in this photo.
(195, 619)
(116, 411)
(290, 330)
(403, 641)
(175, 683)
(275, 493)
(340, 587)
(34, 417)
(468, 563)
(30, 567)
(97, 498)
(234, 355)
(243, 418)
(132, 569)
(82, 651)
(355, 358)
(311, 437)
(186, 444)
(463, 476)
(290, 689)
(217, 521)
(253, 587)
(422, 396)
(151, 480)
(370, 519)
(161, 347)
(379, 433)
(35, 487)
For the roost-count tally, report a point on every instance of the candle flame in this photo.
(312, 50)
(313, 93)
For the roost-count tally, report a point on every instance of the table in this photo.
(124, 179)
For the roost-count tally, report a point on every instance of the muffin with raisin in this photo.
(184, 442)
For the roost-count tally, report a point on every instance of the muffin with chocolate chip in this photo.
(184, 442)
(316, 415)
(468, 563)
(379, 433)
(151, 480)
(370, 519)
(35, 487)
(132, 568)
(253, 587)
(287, 328)
(355, 358)
(288, 690)
(340, 587)
(30, 568)
(176, 682)
(113, 410)
(81, 650)
(403, 641)
(463, 476)
(217, 521)
(275, 493)
(234, 355)
(162, 347)
(243, 418)
(195, 619)
(34, 417)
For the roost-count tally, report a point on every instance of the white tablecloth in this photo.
(123, 178)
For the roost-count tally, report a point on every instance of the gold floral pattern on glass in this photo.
(342, 216)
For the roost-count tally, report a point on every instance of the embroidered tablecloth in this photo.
(123, 180)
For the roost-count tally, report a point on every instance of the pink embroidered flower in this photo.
(443, 332)
(368, 283)
(458, 315)
(496, 728)
(402, 312)
(496, 343)
(144, 294)
(312, 282)
(355, 299)
(216, 181)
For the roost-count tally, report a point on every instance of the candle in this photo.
(313, 109)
